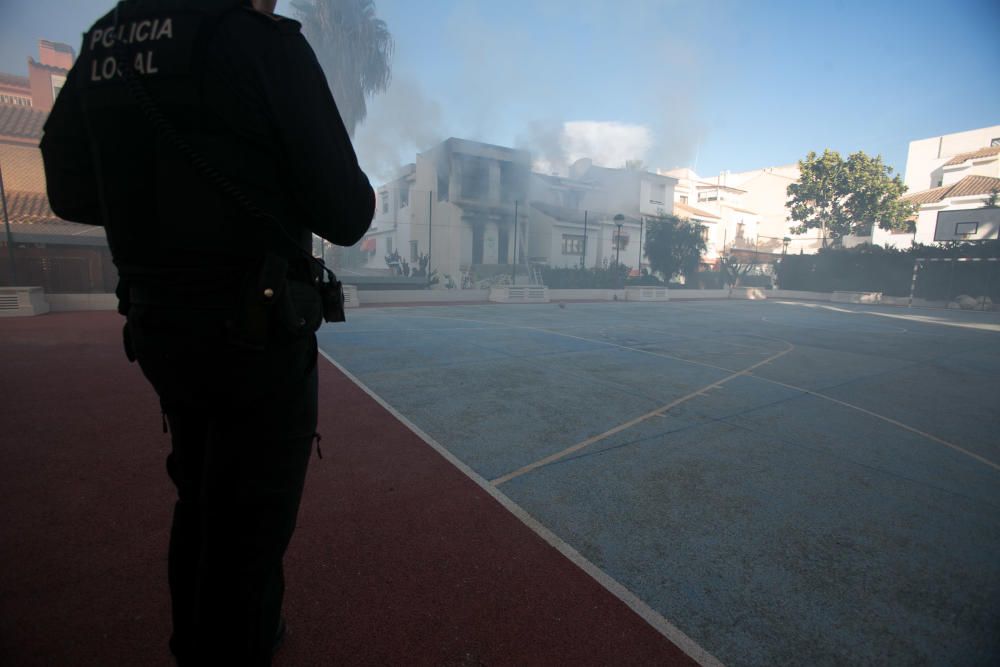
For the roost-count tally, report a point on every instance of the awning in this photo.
(368, 244)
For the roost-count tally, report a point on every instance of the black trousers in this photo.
(242, 424)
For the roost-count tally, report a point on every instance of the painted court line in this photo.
(906, 427)
(647, 613)
(659, 412)
(890, 420)
(923, 319)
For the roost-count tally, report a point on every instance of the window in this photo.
(413, 252)
(512, 181)
(740, 230)
(619, 241)
(572, 244)
(57, 85)
(15, 100)
(657, 193)
(684, 199)
(704, 233)
(384, 196)
(388, 245)
(404, 197)
(442, 187)
(995, 141)
(475, 178)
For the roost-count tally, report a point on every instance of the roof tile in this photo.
(969, 186)
(972, 155)
(684, 211)
(21, 122)
(30, 207)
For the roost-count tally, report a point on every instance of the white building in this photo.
(743, 212)
(457, 204)
(930, 162)
(596, 215)
(949, 178)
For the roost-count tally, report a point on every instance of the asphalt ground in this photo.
(780, 482)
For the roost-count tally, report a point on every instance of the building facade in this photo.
(950, 179)
(57, 255)
(457, 204)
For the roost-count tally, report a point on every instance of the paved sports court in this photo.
(780, 482)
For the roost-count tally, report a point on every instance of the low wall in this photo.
(747, 293)
(373, 298)
(71, 302)
(68, 302)
(586, 294)
(682, 294)
(795, 294)
(856, 297)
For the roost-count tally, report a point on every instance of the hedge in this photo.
(876, 269)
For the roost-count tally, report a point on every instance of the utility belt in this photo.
(282, 298)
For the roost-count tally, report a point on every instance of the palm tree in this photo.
(355, 49)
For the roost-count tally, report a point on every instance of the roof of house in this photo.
(30, 208)
(21, 121)
(15, 81)
(565, 214)
(708, 185)
(738, 209)
(969, 186)
(59, 232)
(32, 221)
(972, 155)
(684, 211)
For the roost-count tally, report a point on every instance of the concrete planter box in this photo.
(750, 293)
(22, 301)
(646, 293)
(351, 297)
(856, 297)
(519, 294)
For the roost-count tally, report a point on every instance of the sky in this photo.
(722, 85)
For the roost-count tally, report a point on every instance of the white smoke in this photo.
(556, 146)
(401, 123)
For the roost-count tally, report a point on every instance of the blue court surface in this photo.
(783, 482)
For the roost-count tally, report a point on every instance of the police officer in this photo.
(203, 136)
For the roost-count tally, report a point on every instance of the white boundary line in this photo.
(658, 412)
(663, 355)
(648, 614)
(923, 319)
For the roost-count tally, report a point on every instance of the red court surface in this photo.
(399, 558)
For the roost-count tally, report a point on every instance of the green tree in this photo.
(355, 49)
(673, 246)
(852, 196)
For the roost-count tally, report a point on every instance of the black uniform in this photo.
(243, 93)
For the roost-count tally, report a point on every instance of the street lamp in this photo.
(619, 221)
